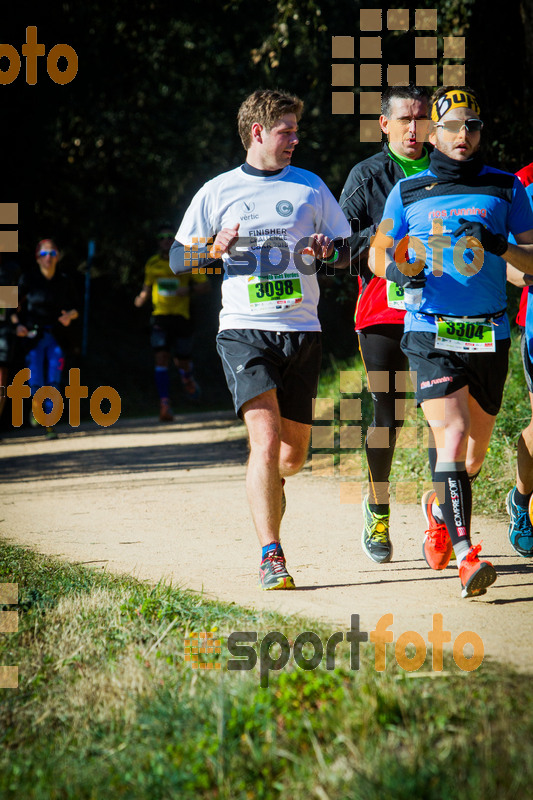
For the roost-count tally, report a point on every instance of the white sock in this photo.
(461, 549)
(435, 510)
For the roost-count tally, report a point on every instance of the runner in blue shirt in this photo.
(444, 238)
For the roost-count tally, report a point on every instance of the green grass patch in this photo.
(411, 463)
(107, 706)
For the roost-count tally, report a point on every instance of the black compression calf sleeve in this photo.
(432, 458)
(454, 494)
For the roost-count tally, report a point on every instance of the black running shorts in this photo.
(173, 333)
(256, 361)
(441, 372)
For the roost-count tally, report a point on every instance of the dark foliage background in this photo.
(151, 116)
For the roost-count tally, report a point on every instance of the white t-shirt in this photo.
(266, 285)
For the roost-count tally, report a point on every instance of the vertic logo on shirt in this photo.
(247, 211)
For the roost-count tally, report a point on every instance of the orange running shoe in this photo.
(475, 575)
(437, 547)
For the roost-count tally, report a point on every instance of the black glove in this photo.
(495, 243)
(394, 274)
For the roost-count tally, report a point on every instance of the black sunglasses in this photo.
(457, 125)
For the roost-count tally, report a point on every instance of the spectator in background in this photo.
(47, 306)
(171, 325)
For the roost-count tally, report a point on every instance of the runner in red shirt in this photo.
(525, 176)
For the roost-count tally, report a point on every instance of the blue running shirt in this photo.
(425, 206)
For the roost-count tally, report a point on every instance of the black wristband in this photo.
(392, 273)
(499, 244)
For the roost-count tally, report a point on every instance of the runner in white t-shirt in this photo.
(270, 223)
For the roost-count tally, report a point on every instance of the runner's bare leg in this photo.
(278, 447)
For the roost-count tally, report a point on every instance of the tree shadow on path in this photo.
(124, 459)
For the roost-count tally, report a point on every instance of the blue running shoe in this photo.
(520, 527)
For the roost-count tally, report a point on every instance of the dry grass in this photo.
(107, 707)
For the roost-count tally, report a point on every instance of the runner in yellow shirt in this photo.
(171, 324)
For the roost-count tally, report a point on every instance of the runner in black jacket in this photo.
(378, 323)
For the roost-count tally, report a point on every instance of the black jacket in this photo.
(42, 300)
(363, 198)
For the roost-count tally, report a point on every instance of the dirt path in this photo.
(169, 502)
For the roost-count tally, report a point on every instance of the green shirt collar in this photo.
(410, 166)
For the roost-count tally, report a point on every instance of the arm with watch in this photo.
(331, 252)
